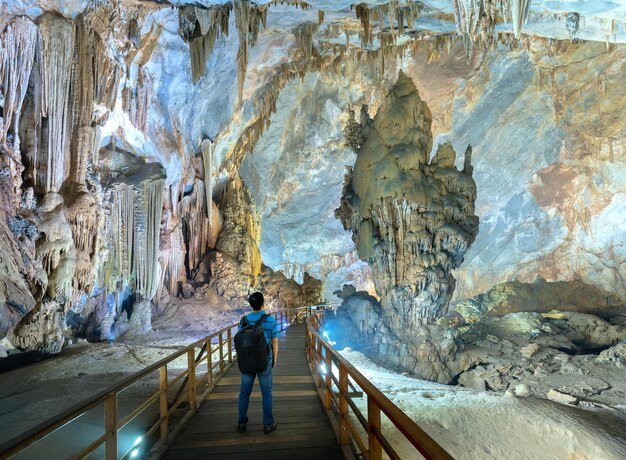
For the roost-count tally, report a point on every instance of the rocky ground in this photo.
(564, 356)
(472, 424)
(556, 349)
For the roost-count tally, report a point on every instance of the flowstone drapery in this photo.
(412, 220)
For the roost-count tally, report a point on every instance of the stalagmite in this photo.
(57, 51)
(236, 264)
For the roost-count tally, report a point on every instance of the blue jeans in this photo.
(265, 381)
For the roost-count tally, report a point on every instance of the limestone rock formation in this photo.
(412, 219)
(236, 263)
(541, 297)
(561, 355)
(282, 293)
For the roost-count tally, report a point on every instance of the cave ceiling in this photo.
(281, 126)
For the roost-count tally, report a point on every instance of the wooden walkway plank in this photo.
(304, 431)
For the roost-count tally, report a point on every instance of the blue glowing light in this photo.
(134, 453)
(138, 441)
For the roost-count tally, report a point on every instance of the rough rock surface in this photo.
(564, 356)
(281, 292)
(236, 263)
(412, 220)
(541, 297)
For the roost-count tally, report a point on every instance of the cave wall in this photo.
(551, 181)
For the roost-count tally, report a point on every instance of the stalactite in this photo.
(207, 162)
(136, 99)
(173, 268)
(145, 260)
(201, 28)
(85, 138)
(17, 53)
(196, 224)
(85, 220)
(363, 14)
(304, 37)
(57, 52)
(134, 201)
(248, 19)
(519, 15)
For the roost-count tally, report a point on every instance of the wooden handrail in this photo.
(377, 402)
(108, 396)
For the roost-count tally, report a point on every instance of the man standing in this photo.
(270, 330)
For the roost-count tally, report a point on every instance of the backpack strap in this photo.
(244, 321)
(261, 319)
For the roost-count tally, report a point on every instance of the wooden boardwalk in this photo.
(304, 431)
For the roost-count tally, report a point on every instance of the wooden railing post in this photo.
(229, 337)
(110, 426)
(318, 362)
(191, 367)
(344, 435)
(329, 383)
(209, 362)
(373, 424)
(221, 341)
(165, 424)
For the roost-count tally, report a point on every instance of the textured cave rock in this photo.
(560, 355)
(541, 297)
(412, 220)
(19, 270)
(236, 262)
(282, 293)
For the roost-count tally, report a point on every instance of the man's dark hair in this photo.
(256, 301)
